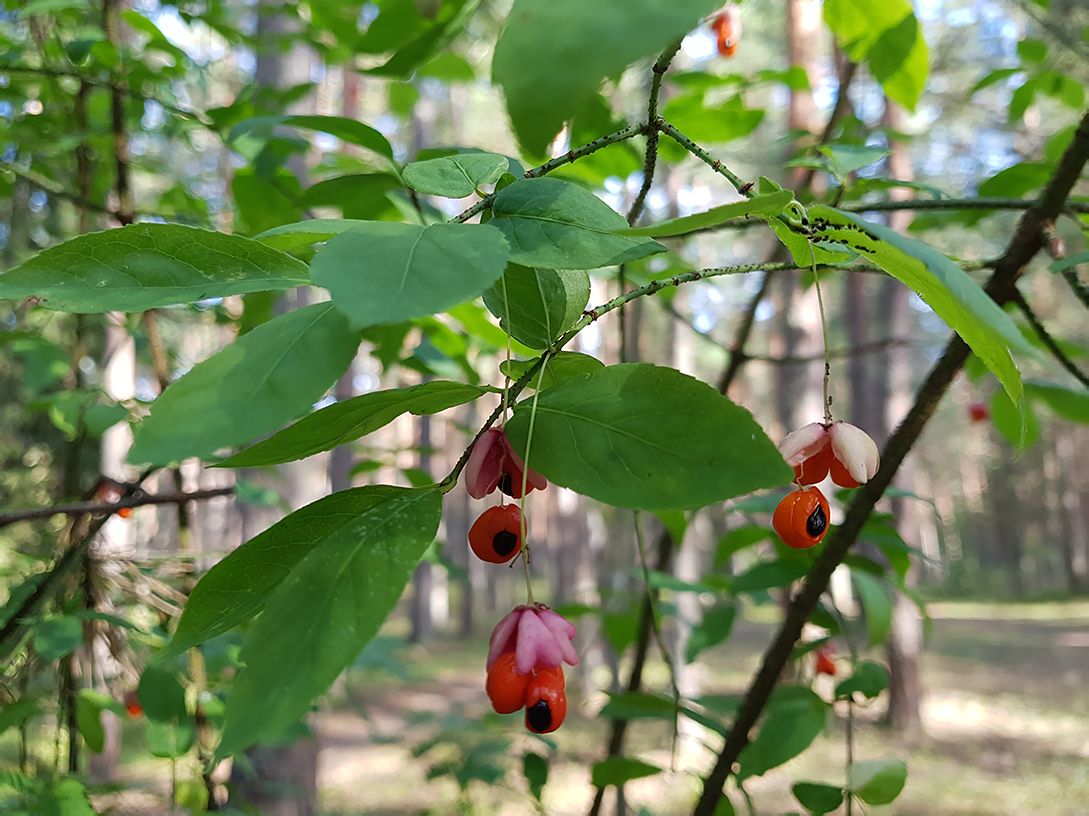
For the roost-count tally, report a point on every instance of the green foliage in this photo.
(553, 54)
(253, 386)
(616, 770)
(146, 266)
(57, 637)
(868, 679)
(817, 798)
(769, 206)
(877, 781)
(321, 615)
(647, 437)
(384, 272)
(795, 716)
(536, 306)
(455, 176)
(712, 630)
(555, 224)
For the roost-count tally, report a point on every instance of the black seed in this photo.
(817, 521)
(539, 716)
(506, 485)
(504, 542)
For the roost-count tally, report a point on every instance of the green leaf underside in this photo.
(616, 770)
(351, 419)
(563, 366)
(302, 234)
(647, 437)
(790, 727)
(455, 176)
(556, 224)
(236, 588)
(943, 285)
(553, 54)
(817, 798)
(868, 679)
(343, 128)
(265, 378)
(148, 266)
(319, 618)
(767, 206)
(385, 272)
(543, 303)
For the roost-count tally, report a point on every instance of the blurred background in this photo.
(988, 641)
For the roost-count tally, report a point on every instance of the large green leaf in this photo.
(795, 717)
(254, 385)
(887, 35)
(319, 618)
(385, 272)
(818, 798)
(877, 781)
(1069, 403)
(345, 129)
(556, 224)
(767, 206)
(351, 419)
(616, 770)
(553, 54)
(455, 176)
(712, 124)
(146, 266)
(236, 588)
(945, 287)
(536, 306)
(644, 436)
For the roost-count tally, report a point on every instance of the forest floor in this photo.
(1005, 718)
(1005, 730)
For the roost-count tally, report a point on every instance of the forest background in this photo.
(205, 114)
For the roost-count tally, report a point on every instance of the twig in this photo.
(1047, 339)
(1027, 241)
(111, 23)
(111, 507)
(568, 157)
(1070, 275)
(705, 157)
(650, 158)
(954, 204)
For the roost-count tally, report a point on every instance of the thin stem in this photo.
(824, 333)
(705, 157)
(650, 158)
(1048, 340)
(955, 204)
(112, 507)
(568, 157)
(1070, 275)
(525, 479)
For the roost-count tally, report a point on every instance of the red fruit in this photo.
(978, 412)
(125, 512)
(840, 475)
(132, 704)
(505, 686)
(825, 665)
(496, 537)
(815, 468)
(727, 27)
(546, 702)
(801, 519)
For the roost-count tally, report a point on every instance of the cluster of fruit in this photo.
(529, 645)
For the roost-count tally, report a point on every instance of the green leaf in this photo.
(351, 419)
(89, 722)
(1032, 50)
(877, 781)
(57, 637)
(535, 770)
(793, 721)
(319, 618)
(945, 287)
(737, 540)
(552, 55)
(616, 770)
(237, 587)
(358, 196)
(555, 224)
(711, 631)
(564, 366)
(455, 176)
(385, 272)
(770, 574)
(146, 266)
(67, 797)
(725, 807)
(542, 303)
(1020, 428)
(162, 696)
(254, 385)
(846, 159)
(876, 604)
(343, 128)
(817, 798)
(46, 362)
(712, 125)
(768, 206)
(637, 705)
(100, 418)
(170, 741)
(868, 679)
(1071, 404)
(647, 437)
(294, 237)
(1018, 180)
(620, 628)
(17, 712)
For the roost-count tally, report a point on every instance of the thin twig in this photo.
(1070, 275)
(705, 157)
(650, 158)
(1027, 241)
(111, 23)
(954, 204)
(111, 507)
(1047, 339)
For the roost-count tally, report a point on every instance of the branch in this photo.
(705, 157)
(568, 157)
(650, 160)
(1028, 239)
(53, 189)
(1047, 339)
(956, 204)
(1070, 275)
(111, 507)
(111, 20)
